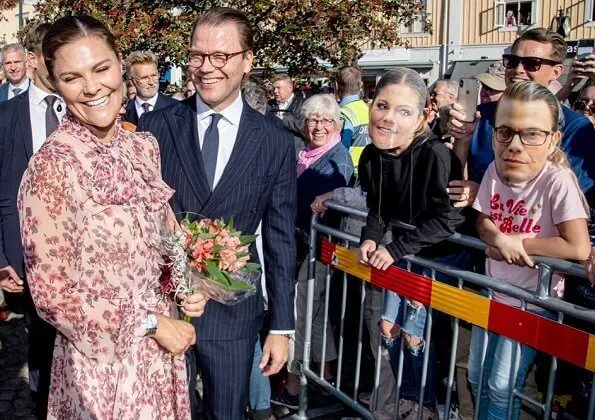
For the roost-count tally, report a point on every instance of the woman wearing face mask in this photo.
(530, 204)
(407, 171)
(92, 208)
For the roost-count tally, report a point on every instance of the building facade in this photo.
(469, 35)
(9, 24)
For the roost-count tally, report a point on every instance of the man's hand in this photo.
(274, 354)
(174, 335)
(582, 69)
(193, 305)
(462, 192)
(10, 281)
(456, 127)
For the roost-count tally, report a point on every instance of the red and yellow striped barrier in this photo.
(567, 343)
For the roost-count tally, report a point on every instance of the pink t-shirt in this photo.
(533, 209)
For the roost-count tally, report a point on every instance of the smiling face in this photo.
(88, 75)
(543, 76)
(321, 129)
(14, 67)
(146, 79)
(394, 118)
(219, 88)
(516, 162)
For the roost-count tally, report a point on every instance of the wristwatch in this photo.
(151, 325)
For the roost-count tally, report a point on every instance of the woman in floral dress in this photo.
(93, 207)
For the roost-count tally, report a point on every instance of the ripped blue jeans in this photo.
(414, 324)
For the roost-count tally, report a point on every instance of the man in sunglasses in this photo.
(537, 55)
(585, 104)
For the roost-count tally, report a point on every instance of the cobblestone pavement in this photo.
(15, 401)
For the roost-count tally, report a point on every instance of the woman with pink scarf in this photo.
(323, 166)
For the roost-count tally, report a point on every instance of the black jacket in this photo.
(411, 188)
(291, 120)
(131, 114)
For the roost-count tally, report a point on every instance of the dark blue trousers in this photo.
(225, 368)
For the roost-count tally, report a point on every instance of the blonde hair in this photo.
(532, 92)
(139, 57)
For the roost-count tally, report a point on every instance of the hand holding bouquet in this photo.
(209, 257)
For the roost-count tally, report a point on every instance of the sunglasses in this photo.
(532, 64)
(584, 106)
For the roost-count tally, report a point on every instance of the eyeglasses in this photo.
(585, 106)
(532, 64)
(326, 123)
(529, 137)
(147, 79)
(217, 59)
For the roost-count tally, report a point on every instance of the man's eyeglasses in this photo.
(583, 106)
(217, 59)
(529, 137)
(326, 123)
(532, 64)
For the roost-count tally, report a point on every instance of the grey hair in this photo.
(10, 48)
(322, 104)
(452, 86)
(406, 77)
(255, 94)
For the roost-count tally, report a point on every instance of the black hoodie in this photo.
(411, 188)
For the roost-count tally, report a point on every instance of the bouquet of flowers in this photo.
(209, 257)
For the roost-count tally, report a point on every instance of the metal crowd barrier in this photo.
(561, 341)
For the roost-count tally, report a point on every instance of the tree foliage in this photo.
(7, 4)
(297, 34)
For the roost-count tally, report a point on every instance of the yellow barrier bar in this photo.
(462, 304)
(346, 260)
(590, 362)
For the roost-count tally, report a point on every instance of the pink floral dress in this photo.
(91, 218)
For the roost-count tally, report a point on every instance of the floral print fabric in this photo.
(91, 217)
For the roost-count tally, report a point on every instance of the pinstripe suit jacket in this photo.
(258, 184)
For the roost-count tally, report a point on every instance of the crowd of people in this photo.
(96, 165)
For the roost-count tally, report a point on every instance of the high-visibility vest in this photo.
(358, 114)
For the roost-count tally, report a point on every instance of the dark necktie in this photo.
(16, 91)
(210, 148)
(146, 107)
(51, 119)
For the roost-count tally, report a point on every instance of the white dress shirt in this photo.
(285, 105)
(228, 132)
(138, 103)
(23, 86)
(37, 108)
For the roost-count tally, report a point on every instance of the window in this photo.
(514, 13)
(590, 12)
(417, 26)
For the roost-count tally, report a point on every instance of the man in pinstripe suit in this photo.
(226, 160)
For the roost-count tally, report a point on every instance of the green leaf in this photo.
(242, 254)
(252, 266)
(217, 274)
(247, 239)
(206, 235)
(230, 226)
